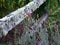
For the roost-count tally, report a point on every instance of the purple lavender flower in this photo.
(55, 25)
(39, 43)
(45, 16)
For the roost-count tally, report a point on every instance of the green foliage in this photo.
(7, 6)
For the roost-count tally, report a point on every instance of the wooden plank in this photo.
(11, 20)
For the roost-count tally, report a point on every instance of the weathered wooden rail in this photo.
(14, 18)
